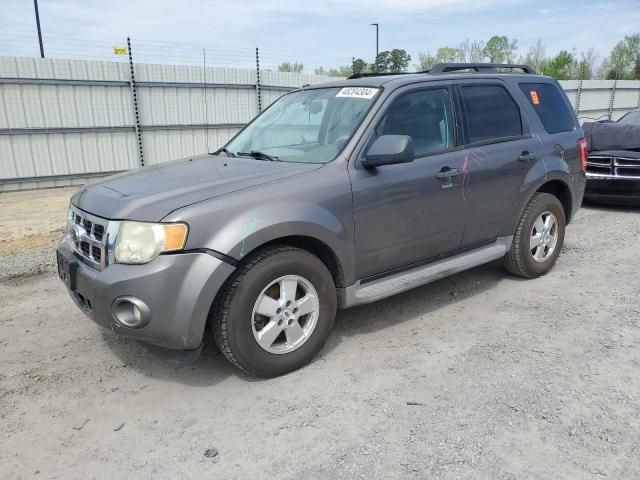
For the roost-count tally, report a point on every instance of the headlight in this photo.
(140, 242)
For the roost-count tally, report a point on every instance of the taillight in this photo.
(582, 153)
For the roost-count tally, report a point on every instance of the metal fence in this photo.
(65, 121)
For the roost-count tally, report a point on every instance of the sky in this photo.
(316, 33)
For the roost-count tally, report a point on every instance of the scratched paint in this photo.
(245, 233)
(471, 157)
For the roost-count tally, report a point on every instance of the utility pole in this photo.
(35, 4)
(377, 40)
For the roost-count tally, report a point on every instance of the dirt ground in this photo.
(32, 219)
(480, 375)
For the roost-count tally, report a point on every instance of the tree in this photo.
(399, 60)
(294, 67)
(560, 66)
(500, 49)
(426, 61)
(382, 62)
(471, 51)
(447, 55)
(536, 55)
(587, 64)
(394, 61)
(359, 66)
(631, 48)
(342, 71)
(618, 62)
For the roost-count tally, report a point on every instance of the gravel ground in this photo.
(31, 223)
(480, 375)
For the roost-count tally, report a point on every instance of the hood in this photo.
(151, 193)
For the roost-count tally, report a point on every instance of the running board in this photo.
(359, 294)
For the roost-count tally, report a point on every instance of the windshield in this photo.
(310, 126)
(631, 118)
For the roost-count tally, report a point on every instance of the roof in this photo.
(395, 81)
(447, 71)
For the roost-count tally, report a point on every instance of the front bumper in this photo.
(613, 189)
(178, 289)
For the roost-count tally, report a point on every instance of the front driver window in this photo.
(424, 115)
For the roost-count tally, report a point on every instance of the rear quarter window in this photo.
(550, 106)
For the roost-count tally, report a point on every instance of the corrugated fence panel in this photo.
(63, 121)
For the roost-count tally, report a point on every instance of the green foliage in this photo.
(399, 60)
(426, 61)
(342, 71)
(560, 66)
(622, 63)
(499, 49)
(359, 66)
(624, 60)
(447, 55)
(394, 61)
(632, 44)
(294, 67)
(382, 62)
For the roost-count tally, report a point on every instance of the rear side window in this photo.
(551, 108)
(491, 113)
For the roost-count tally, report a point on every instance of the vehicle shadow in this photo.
(211, 367)
(623, 206)
(205, 368)
(421, 301)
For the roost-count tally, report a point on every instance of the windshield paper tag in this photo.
(358, 92)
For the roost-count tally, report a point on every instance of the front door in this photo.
(410, 212)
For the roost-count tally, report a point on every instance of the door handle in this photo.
(447, 173)
(526, 156)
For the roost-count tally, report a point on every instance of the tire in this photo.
(238, 323)
(521, 258)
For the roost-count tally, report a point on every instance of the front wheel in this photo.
(276, 312)
(538, 238)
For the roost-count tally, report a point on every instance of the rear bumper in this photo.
(578, 191)
(178, 289)
(613, 189)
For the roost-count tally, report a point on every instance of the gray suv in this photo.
(337, 195)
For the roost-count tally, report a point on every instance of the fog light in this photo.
(131, 312)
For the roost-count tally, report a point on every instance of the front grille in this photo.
(607, 166)
(87, 234)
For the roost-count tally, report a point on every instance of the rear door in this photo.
(410, 212)
(501, 150)
(555, 123)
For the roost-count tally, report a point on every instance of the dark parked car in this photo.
(337, 195)
(613, 164)
(630, 118)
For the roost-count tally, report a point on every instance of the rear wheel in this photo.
(539, 237)
(276, 312)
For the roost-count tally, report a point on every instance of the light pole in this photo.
(377, 39)
(35, 4)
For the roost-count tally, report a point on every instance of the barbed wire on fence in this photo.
(101, 48)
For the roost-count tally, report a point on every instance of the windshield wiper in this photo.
(227, 152)
(258, 155)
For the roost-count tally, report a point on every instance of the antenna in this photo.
(206, 107)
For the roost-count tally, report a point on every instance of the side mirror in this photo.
(389, 150)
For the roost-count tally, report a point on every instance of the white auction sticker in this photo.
(358, 92)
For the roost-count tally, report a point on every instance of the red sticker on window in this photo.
(534, 97)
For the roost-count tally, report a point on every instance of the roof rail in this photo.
(478, 67)
(376, 74)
